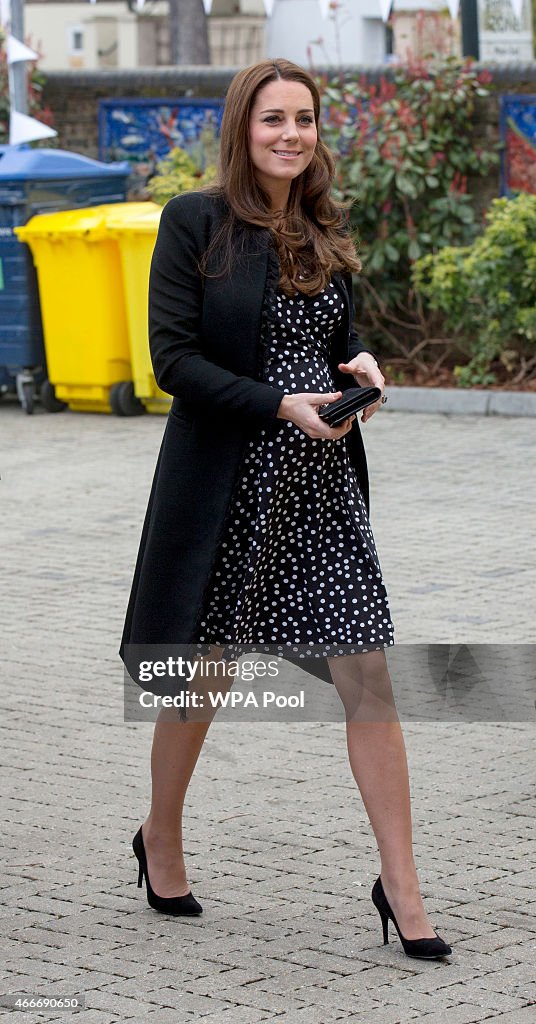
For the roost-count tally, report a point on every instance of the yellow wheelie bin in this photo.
(83, 306)
(135, 227)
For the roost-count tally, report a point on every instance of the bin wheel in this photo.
(123, 400)
(48, 398)
(114, 399)
(27, 397)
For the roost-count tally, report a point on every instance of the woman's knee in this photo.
(367, 669)
(363, 684)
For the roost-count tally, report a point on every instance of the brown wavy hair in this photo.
(310, 237)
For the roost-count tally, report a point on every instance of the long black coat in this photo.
(205, 347)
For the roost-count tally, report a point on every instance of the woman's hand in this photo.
(366, 373)
(302, 410)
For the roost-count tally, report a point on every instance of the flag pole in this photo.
(469, 24)
(17, 72)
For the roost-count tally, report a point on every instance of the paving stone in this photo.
(118, 1005)
(166, 1016)
(524, 1016)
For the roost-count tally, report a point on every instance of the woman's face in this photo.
(282, 133)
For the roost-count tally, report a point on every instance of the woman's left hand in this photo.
(366, 373)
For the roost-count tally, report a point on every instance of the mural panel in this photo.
(143, 131)
(518, 133)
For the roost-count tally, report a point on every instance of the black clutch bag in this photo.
(352, 401)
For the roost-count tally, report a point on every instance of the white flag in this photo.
(207, 4)
(26, 129)
(453, 8)
(17, 51)
(385, 8)
(268, 6)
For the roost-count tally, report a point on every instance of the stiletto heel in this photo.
(385, 926)
(426, 949)
(176, 905)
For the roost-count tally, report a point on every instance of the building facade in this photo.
(76, 34)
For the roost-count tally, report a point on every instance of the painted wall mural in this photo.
(518, 133)
(143, 131)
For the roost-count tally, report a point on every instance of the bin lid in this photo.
(92, 222)
(42, 164)
(142, 218)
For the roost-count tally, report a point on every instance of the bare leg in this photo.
(378, 761)
(176, 748)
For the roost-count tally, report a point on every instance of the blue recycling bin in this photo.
(39, 181)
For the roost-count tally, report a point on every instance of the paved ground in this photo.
(279, 849)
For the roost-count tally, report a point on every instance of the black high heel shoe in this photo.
(166, 905)
(426, 949)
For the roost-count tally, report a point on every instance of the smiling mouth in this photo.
(287, 152)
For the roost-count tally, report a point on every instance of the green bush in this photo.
(404, 155)
(183, 172)
(486, 292)
(176, 173)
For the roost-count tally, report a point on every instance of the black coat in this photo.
(205, 347)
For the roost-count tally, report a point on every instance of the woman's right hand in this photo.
(302, 410)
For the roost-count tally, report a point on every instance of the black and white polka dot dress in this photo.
(297, 565)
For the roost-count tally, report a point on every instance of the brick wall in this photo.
(74, 97)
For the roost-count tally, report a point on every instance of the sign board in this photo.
(503, 36)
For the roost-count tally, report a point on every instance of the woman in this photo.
(257, 527)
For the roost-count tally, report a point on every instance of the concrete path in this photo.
(278, 845)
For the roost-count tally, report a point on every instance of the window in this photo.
(76, 39)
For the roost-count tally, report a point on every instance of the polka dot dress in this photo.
(297, 563)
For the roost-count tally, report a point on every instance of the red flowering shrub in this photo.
(404, 154)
